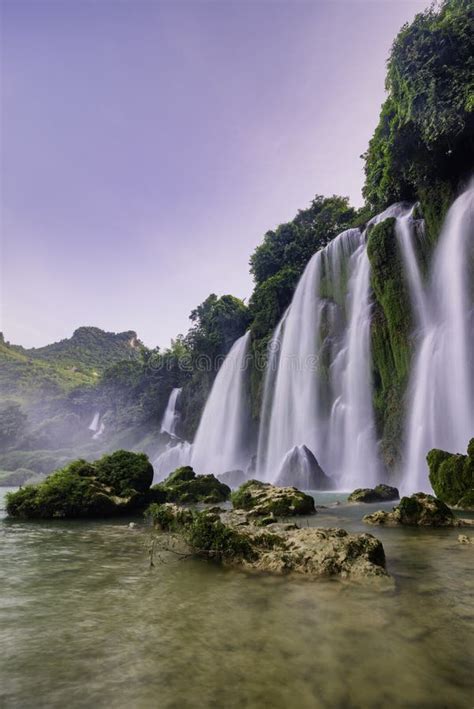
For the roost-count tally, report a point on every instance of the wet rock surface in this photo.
(380, 493)
(419, 510)
(237, 538)
(262, 499)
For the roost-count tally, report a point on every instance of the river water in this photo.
(85, 622)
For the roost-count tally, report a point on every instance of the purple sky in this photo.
(148, 146)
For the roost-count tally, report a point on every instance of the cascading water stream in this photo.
(171, 415)
(316, 362)
(441, 395)
(221, 441)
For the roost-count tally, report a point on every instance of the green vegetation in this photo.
(418, 510)
(452, 476)
(421, 150)
(263, 499)
(424, 139)
(391, 330)
(113, 485)
(184, 486)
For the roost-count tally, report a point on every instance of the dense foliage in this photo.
(295, 242)
(425, 132)
(113, 485)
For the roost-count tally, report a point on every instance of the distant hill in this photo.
(66, 364)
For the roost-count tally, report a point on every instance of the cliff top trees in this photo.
(426, 127)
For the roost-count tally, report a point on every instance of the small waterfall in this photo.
(94, 424)
(441, 396)
(221, 441)
(405, 231)
(171, 415)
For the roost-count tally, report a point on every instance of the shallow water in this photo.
(84, 622)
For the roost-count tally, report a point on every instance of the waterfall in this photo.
(94, 425)
(359, 446)
(322, 338)
(171, 415)
(221, 441)
(441, 392)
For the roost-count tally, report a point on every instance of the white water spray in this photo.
(221, 441)
(171, 415)
(441, 396)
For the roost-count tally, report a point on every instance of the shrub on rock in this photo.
(83, 489)
(236, 538)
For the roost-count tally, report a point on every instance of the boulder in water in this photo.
(184, 486)
(301, 468)
(235, 538)
(262, 499)
(233, 478)
(452, 476)
(380, 493)
(419, 510)
(116, 484)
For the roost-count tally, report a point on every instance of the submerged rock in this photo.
(183, 485)
(419, 510)
(235, 538)
(452, 476)
(113, 485)
(300, 468)
(262, 499)
(233, 478)
(380, 493)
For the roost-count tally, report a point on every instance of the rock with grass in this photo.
(452, 476)
(236, 538)
(185, 487)
(418, 510)
(262, 499)
(115, 484)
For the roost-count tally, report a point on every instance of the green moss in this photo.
(421, 509)
(452, 476)
(391, 329)
(83, 489)
(166, 518)
(266, 500)
(208, 536)
(184, 486)
(435, 200)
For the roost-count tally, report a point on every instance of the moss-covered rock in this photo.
(263, 499)
(184, 486)
(235, 538)
(391, 328)
(380, 493)
(419, 510)
(452, 476)
(83, 489)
